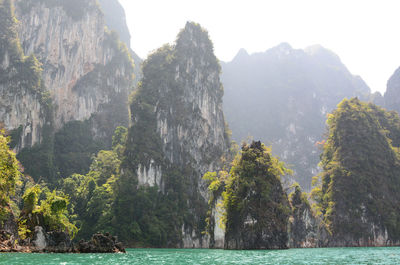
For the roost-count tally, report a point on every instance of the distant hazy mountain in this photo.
(282, 97)
(392, 95)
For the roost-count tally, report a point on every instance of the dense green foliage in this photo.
(9, 175)
(360, 181)
(92, 195)
(40, 207)
(46, 209)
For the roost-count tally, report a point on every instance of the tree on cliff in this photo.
(257, 208)
(357, 194)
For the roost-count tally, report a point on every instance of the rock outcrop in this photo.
(60, 242)
(282, 97)
(100, 243)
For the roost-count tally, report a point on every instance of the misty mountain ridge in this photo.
(282, 96)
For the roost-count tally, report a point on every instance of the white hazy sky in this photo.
(364, 33)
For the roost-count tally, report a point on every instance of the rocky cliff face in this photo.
(74, 52)
(282, 97)
(178, 127)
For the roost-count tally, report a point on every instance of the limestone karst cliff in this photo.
(24, 104)
(178, 132)
(282, 96)
(83, 75)
(83, 64)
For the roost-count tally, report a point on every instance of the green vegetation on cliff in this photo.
(257, 209)
(40, 208)
(92, 195)
(46, 209)
(357, 192)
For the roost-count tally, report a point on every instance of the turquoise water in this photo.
(203, 256)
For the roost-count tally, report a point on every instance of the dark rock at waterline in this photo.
(59, 242)
(100, 244)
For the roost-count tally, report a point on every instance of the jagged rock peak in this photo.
(241, 55)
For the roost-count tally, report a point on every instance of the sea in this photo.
(346, 256)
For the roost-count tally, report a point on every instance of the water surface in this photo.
(206, 256)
